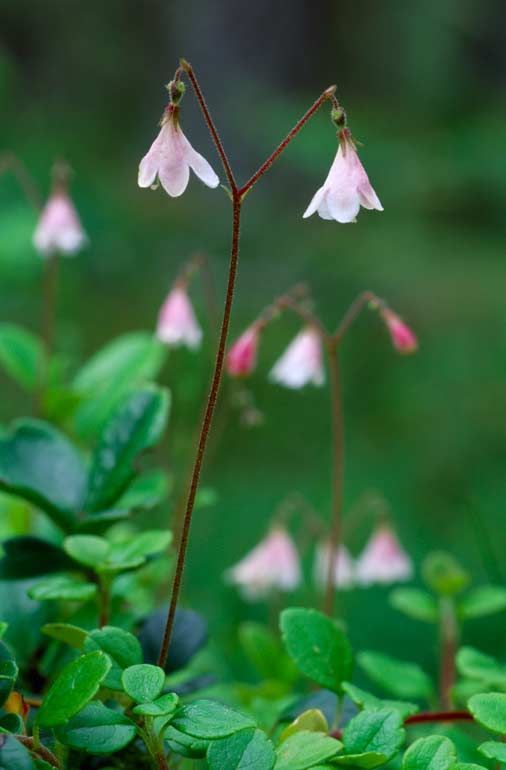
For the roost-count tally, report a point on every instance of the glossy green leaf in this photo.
(312, 720)
(66, 633)
(162, 706)
(485, 600)
(77, 684)
(185, 745)
(11, 723)
(3, 628)
(8, 673)
(489, 709)
(21, 355)
(433, 753)
(372, 738)
(403, 680)
(28, 556)
(318, 646)
(476, 665)
(207, 719)
(244, 750)
(143, 682)
(137, 548)
(90, 550)
(97, 730)
(14, 756)
(38, 463)
(495, 750)
(146, 491)
(369, 701)
(135, 426)
(415, 603)
(265, 652)
(306, 749)
(122, 648)
(62, 587)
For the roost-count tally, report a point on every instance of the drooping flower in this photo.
(403, 338)
(302, 361)
(242, 356)
(170, 159)
(177, 324)
(272, 565)
(383, 559)
(346, 187)
(59, 229)
(343, 570)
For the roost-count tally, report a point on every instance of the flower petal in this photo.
(174, 174)
(343, 205)
(315, 202)
(199, 165)
(368, 197)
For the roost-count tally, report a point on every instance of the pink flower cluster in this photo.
(59, 229)
(177, 323)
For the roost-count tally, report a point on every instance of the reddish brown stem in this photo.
(353, 312)
(10, 162)
(39, 750)
(327, 94)
(439, 716)
(51, 278)
(204, 433)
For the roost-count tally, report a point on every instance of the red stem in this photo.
(439, 716)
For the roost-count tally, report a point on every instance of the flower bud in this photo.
(403, 339)
(241, 358)
(338, 117)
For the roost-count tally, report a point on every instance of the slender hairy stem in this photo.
(353, 312)
(10, 162)
(327, 94)
(50, 298)
(204, 433)
(337, 475)
(287, 302)
(449, 634)
(104, 598)
(212, 129)
(439, 716)
(40, 750)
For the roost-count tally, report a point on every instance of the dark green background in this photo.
(424, 87)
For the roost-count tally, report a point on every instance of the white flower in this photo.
(345, 189)
(343, 567)
(170, 158)
(177, 324)
(59, 229)
(383, 559)
(301, 363)
(272, 564)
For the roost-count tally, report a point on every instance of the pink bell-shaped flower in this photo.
(403, 339)
(273, 565)
(59, 230)
(346, 187)
(383, 559)
(170, 159)
(343, 569)
(242, 356)
(302, 361)
(177, 324)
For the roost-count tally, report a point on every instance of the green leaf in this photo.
(489, 709)
(135, 426)
(244, 750)
(66, 633)
(146, 491)
(312, 720)
(11, 723)
(265, 652)
(162, 706)
(90, 550)
(123, 649)
(443, 574)
(14, 756)
(318, 646)
(207, 719)
(415, 603)
(476, 665)
(77, 684)
(370, 702)
(97, 730)
(494, 750)
(28, 556)
(403, 680)
(62, 587)
(137, 548)
(39, 464)
(21, 355)
(8, 673)
(185, 745)
(306, 749)
(3, 628)
(143, 682)
(485, 600)
(372, 738)
(433, 753)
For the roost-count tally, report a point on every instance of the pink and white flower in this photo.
(272, 565)
(59, 229)
(302, 361)
(403, 339)
(343, 568)
(170, 159)
(383, 559)
(242, 356)
(177, 324)
(346, 187)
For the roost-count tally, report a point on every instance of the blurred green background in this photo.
(423, 84)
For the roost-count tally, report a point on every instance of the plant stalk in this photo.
(449, 634)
